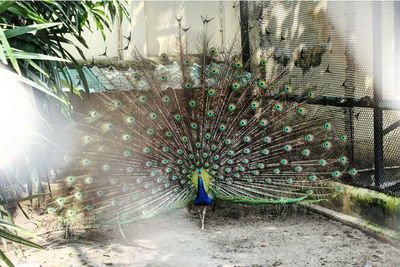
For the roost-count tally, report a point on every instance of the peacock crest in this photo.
(191, 125)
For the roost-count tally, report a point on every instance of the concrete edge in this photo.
(382, 234)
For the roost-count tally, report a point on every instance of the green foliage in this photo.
(9, 232)
(33, 35)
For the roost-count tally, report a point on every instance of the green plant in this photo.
(9, 232)
(33, 36)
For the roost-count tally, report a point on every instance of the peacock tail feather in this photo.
(133, 153)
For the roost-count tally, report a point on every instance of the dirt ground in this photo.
(235, 235)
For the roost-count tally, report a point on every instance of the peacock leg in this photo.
(203, 217)
(199, 212)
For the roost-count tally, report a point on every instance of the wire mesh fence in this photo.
(347, 51)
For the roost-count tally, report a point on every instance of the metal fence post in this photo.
(378, 113)
(244, 30)
(396, 45)
(349, 83)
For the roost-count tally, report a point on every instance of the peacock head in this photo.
(201, 174)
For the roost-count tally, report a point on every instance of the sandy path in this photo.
(250, 238)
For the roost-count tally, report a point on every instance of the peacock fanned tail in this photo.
(136, 152)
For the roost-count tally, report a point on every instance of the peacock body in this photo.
(209, 132)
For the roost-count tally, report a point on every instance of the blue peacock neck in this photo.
(202, 198)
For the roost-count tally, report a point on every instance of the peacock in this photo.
(193, 130)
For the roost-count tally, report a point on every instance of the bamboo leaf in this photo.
(6, 259)
(17, 239)
(36, 56)
(9, 52)
(9, 33)
(25, 11)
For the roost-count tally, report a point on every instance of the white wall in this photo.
(154, 28)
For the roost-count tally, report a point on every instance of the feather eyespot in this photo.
(287, 148)
(213, 51)
(306, 152)
(267, 139)
(214, 71)
(178, 117)
(164, 56)
(235, 86)
(287, 129)
(298, 169)
(142, 99)
(254, 105)
(287, 89)
(60, 201)
(168, 134)
(243, 122)
(327, 145)
(149, 163)
(192, 103)
(301, 111)
(263, 62)
(165, 99)
(336, 174)
(327, 126)
(263, 122)
(265, 151)
(343, 160)
(136, 76)
(188, 85)
(231, 107)
(222, 127)
(246, 139)
(262, 84)
(278, 107)
(309, 138)
(310, 93)
(211, 92)
(353, 172)
(238, 64)
(130, 119)
(343, 137)
(153, 115)
(89, 180)
(312, 178)
(150, 131)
